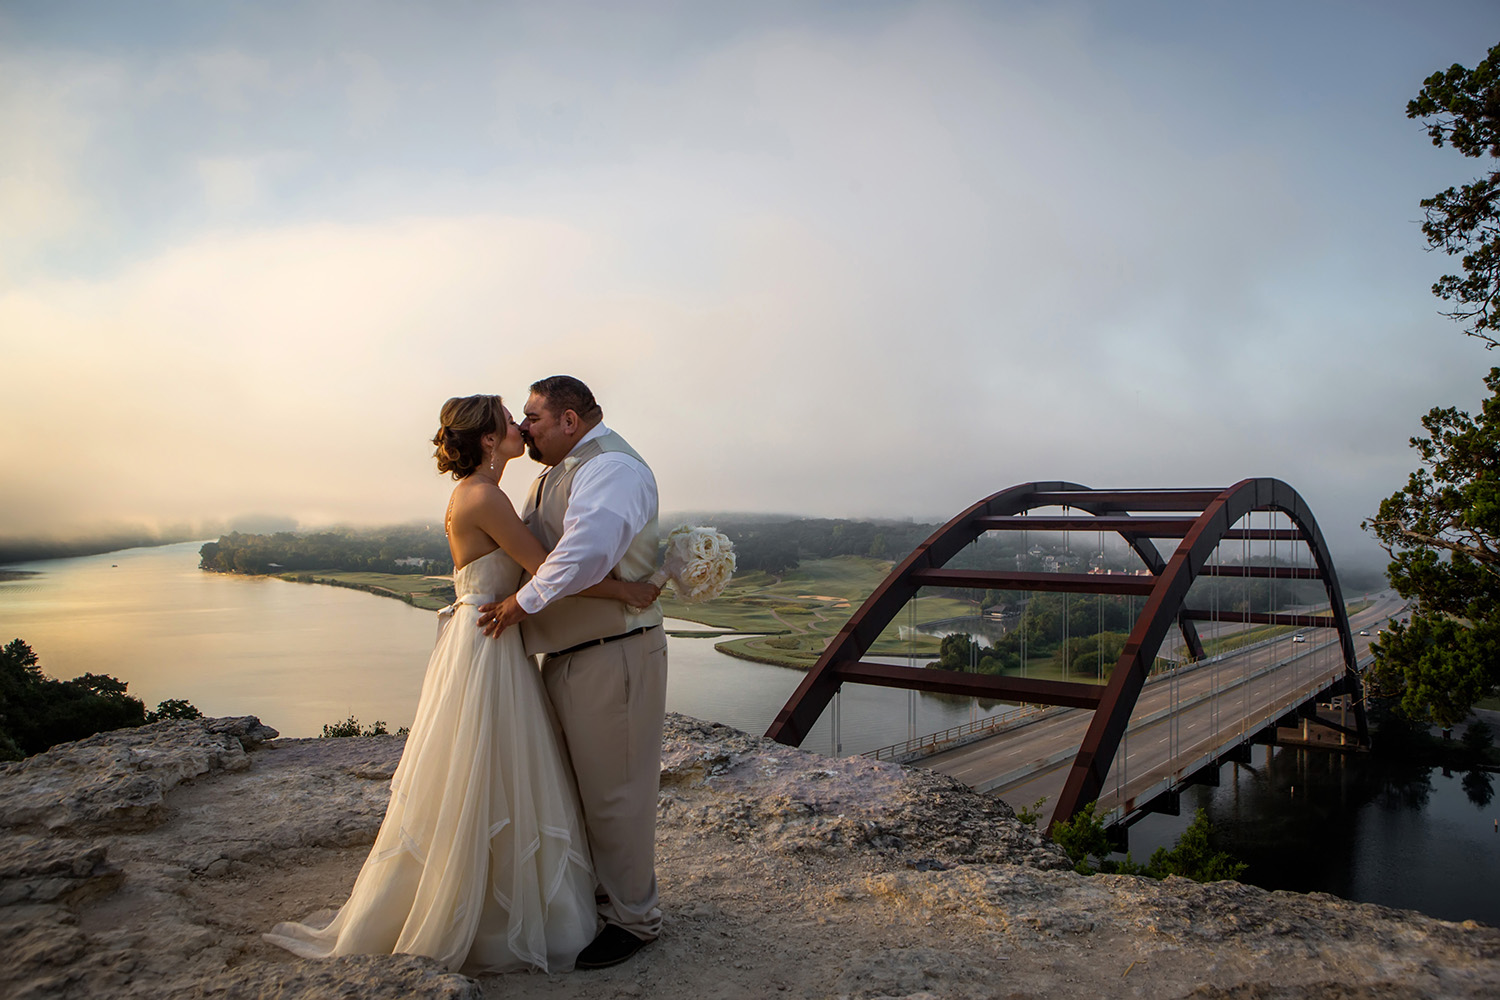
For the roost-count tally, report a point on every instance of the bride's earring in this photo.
(492, 461)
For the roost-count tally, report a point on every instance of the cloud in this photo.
(42, 201)
(879, 264)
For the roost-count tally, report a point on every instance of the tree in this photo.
(1087, 844)
(102, 685)
(37, 712)
(955, 651)
(1084, 839)
(1442, 531)
(1194, 857)
(174, 708)
(1461, 108)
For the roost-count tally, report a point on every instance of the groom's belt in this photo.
(599, 642)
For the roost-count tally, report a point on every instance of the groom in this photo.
(605, 665)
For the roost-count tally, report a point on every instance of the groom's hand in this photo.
(496, 618)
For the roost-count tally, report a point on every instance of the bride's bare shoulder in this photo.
(477, 495)
(490, 496)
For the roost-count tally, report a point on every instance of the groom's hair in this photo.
(564, 392)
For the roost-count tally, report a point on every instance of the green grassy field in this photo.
(430, 593)
(793, 618)
(798, 614)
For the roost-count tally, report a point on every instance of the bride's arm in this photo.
(498, 519)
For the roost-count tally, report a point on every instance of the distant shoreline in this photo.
(430, 594)
(740, 654)
(27, 552)
(434, 601)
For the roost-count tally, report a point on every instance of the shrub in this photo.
(1084, 837)
(1194, 857)
(351, 727)
(1032, 813)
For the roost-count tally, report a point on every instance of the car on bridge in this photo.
(1299, 638)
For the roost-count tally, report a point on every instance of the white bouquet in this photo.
(698, 564)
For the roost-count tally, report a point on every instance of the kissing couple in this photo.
(521, 828)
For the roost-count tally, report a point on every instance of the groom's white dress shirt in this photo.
(613, 499)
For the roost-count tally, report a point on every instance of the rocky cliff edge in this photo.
(146, 863)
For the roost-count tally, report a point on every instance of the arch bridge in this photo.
(1199, 519)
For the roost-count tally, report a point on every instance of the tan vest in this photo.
(568, 621)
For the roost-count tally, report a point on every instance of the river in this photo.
(1361, 826)
(302, 655)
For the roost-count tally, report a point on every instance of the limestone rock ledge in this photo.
(145, 863)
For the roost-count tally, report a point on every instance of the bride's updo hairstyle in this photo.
(464, 420)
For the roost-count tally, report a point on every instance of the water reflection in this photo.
(1479, 786)
(1360, 826)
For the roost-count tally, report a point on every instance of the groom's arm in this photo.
(613, 498)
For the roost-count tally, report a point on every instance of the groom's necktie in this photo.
(541, 489)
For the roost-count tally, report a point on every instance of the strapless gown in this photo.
(481, 862)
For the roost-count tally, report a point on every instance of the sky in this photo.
(838, 259)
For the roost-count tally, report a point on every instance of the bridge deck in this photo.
(1220, 704)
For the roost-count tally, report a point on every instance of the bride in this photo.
(482, 861)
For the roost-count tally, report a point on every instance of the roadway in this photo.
(1182, 720)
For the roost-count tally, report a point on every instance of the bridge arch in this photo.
(1200, 518)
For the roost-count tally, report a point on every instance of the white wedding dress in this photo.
(481, 862)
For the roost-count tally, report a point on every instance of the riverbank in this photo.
(782, 873)
(430, 593)
(782, 621)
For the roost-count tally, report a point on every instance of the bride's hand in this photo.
(641, 594)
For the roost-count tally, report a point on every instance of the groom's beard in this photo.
(531, 450)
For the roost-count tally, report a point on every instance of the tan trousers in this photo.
(610, 702)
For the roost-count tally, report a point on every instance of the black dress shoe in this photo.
(613, 946)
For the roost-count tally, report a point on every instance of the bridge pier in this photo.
(1319, 733)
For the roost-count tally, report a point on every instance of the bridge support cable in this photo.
(911, 661)
(1218, 641)
(1199, 518)
(1245, 663)
(835, 735)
